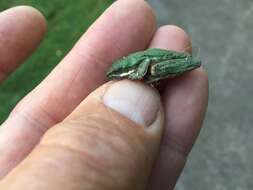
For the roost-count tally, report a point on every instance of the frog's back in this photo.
(135, 58)
(155, 52)
(149, 53)
(162, 53)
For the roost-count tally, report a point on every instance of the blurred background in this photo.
(222, 29)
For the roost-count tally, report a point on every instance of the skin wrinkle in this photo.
(71, 84)
(90, 130)
(171, 142)
(52, 116)
(89, 126)
(92, 123)
(31, 117)
(57, 100)
(92, 63)
(35, 123)
(93, 161)
(54, 162)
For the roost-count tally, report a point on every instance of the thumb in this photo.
(109, 142)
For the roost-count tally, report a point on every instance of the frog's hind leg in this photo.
(141, 71)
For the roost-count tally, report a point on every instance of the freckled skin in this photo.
(152, 65)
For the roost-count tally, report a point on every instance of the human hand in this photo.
(98, 139)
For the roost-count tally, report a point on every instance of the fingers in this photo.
(126, 26)
(108, 142)
(185, 99)
(21, 30)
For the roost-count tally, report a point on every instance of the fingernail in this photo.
(134, 100)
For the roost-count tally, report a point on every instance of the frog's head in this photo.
(120, 69)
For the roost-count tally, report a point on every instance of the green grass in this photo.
(67, 21)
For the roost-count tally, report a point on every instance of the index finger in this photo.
(126, 26)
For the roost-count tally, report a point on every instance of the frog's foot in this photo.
(141, 71)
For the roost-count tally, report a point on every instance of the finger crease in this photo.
(52, 117)
(90, 57)
(174, 145)
(90, 160)
(35, 123)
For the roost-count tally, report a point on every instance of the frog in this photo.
(152, 65)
